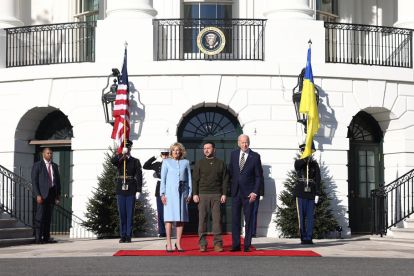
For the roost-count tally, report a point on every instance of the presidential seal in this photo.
(211, 41)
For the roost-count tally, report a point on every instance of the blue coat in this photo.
(172, 172)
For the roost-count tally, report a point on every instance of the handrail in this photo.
(392, 203)
(369, 45)
(177, 38)
(16, 199)
(50, 44)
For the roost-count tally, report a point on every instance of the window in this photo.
(208, 10)
(217, 10)
(87, 10)
(325, 10)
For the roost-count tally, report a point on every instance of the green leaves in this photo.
(287, 216)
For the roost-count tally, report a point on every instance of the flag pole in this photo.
(126, 44)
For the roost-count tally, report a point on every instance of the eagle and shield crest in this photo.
(211, 41)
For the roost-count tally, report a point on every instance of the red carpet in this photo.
(190, 247)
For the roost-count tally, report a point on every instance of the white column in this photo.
(405, 14)
(289, 9)
(130, 9)
(9, 13)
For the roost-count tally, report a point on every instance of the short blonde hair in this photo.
(182, 150)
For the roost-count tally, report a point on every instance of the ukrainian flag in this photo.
(308, 106)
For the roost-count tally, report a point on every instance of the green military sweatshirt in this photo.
(210, 176)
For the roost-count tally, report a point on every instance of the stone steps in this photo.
(8, 223)
(14, 242)
(11, 234)
(16, 233)
(403, 233)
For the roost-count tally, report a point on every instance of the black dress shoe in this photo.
(303, 242)
(49, 241)
(247, 249)
(122, 240)
(310, 242)
(235, 249)
(254, 236)
(128, 239)
(162, 235)
(38, 241)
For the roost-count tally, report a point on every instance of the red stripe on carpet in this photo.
(191, 248)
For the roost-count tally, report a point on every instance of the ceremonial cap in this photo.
(129, 143)
(164, 152)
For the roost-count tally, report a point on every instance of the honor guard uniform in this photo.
(156, 167)
(307, 193)
(126, 192)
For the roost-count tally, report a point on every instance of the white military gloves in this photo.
(137, 195)
(125, 150)
(261, 198)
(316, 199)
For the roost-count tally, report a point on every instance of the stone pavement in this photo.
(357, 247)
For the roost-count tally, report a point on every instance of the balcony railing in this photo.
(50, 44)
(176, 39)
(369, 45)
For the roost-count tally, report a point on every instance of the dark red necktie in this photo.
(50, 175)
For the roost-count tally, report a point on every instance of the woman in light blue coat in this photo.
(175, 192)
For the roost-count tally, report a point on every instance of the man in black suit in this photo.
(246, 176)
(46, 191)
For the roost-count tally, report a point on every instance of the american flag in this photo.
(121, 109)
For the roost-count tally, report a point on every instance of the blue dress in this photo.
(172, 172)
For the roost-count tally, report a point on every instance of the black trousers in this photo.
(44, 215)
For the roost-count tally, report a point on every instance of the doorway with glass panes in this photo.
(365, 169)
(221, 127)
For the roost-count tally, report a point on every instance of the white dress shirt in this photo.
(51, 170)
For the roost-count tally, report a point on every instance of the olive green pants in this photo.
(207, 202)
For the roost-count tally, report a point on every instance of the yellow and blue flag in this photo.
(309, 106)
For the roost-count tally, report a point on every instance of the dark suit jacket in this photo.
(40, 179)
(250, 179)
(133, 169)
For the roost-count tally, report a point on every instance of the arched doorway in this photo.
(55, 132)
(365, 169)
(209, 124)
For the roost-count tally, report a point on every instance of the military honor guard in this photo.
(307, 193)
(153, 164)
(129, 191)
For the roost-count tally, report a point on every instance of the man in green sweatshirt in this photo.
(210, 181)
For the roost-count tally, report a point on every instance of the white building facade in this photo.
(364, 79)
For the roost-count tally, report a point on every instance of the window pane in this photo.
(370, 158)
(199, 154)
(362, 158)
(371, 174)
(208, 11)
(91, 5)
(362, 174)
(371, 186)
(363, 190)
(191, 11)
(224, 11)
